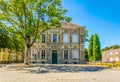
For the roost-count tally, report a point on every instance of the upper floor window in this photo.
(75, 54)
(54, 38)
(66, 54)
(66, 38)
(43, 38)
(75, 38)
(43, 54)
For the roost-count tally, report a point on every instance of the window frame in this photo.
(66, 55)
(43, 56)
(76, 56)
(43, 40)
(75, 40)
(53, 38)
(68, 38)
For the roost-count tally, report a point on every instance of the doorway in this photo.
(54, 56)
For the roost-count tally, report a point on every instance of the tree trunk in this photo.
(27, 50)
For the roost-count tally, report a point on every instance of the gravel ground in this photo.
(59, 73)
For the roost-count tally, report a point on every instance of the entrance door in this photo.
(54, 56)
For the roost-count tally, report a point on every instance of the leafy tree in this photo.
(32, 17)
(96, 48)
(111, 47)
(86, 54)
(94, 51)
(85, 36)
(90, 48)
(3, 36)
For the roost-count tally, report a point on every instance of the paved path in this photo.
(58, 73)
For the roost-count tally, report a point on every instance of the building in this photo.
(7, 56)
(59, 45)
(111, 55)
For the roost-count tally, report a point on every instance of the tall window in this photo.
(66, 38)
(74, 38)
(33, 39)
(43, 38)
(33, 54)
(75, 54)
(110, 53)
(43, 54)
(54, 38)
(66, 54)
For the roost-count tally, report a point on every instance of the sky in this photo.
(99, 16)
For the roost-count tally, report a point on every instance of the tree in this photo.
(96, 48)
(3, 36)
(86, 54)
(90, 48)
(32, 17)
(85, 36)
(111, 47)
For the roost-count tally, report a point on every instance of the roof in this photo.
(70, 25)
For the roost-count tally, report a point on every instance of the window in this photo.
(43, 38)
(34, 40)
(54, 38)
(34, 56)
(66, 54)
(75, 54)
(43, 54)
(110, 53)
(66, 38)
(116, 52)
(75, 38)
(111, 59)
(117, 58)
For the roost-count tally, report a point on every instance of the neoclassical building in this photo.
(111, 55)
(59, 45)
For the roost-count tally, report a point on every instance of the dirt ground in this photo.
(58, 73)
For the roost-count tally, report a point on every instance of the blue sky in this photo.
(99, 16)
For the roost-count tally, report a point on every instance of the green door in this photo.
(54, 56)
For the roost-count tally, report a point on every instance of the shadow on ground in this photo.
(57, 68)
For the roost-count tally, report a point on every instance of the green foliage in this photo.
(10, 40)
(29, 17)
(85, 36)
(3, 36)
(86, 54)
(111, 47)
(94, 48)
(32, 17)
(90, 48)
